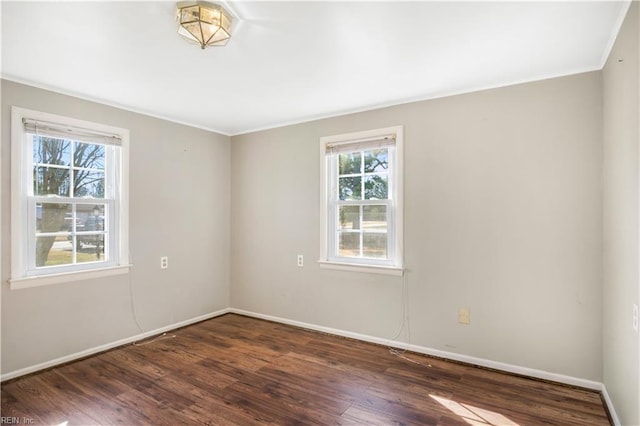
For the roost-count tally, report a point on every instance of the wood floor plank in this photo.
(286, 406)
(137, 362)
(236, 370)
(363, 416)
(296, 391)
(214, 411)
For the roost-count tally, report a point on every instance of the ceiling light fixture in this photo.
(205, 23)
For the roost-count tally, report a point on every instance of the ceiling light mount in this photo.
(207, 24)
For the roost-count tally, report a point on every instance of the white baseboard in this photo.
(612, 411)
(107, 346)
(530, 372)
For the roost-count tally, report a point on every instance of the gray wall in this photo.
(621, 174)
(503, 214)
(179, 207)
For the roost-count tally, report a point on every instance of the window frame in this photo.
(328, 223)
(23, 217)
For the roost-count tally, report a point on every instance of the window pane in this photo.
(375, 245)
(375, 187)
(349, 244)
(51, 217)
(374, 218)
(89, 156)
(52, 251)
(91, 216)
(90, 248)
(349, 217)
(349, 163)
(50, 181)
(376, 160)
(350, 188)
(88, 184)
(51, 151)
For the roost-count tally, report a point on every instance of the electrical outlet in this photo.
(300, 260)
(635, 317)
(164, 262)
(464, 317)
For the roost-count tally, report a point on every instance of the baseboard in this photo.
(107, 346)
(609, 403)
(515, 369)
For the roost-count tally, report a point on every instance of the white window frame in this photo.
(23, 217)
(328, 225)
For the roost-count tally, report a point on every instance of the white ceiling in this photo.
(290, 62)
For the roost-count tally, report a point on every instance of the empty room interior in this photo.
(320, 212)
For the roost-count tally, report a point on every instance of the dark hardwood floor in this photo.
(238, 370)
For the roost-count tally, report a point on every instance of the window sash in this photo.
(334, 175)
(110, 170)
(333, 237)
(109, 249)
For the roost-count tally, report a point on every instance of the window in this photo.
(69, 199)
(361, 201)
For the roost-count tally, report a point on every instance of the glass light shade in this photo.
(205, 23)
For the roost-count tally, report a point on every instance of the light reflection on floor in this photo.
(474, 415)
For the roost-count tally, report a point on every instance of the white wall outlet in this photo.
(464, 317)
(300, 260)
(164, 262)
(635, 317)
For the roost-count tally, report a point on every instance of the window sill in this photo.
(356, 267)
(42, 280)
